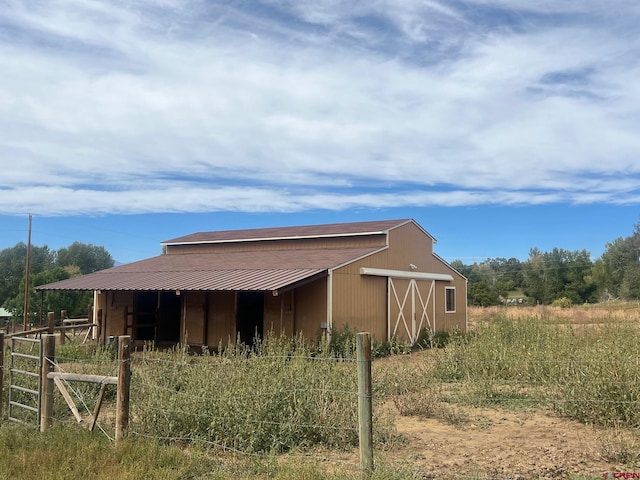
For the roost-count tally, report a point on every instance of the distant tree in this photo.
(46, 267)
(75, 303)
(548, 276)
(615, 272)
(87, 257)
(13, 263)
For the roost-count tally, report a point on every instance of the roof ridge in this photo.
(290, 232)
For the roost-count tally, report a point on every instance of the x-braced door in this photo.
(411, 307)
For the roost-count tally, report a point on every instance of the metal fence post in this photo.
(365, 411)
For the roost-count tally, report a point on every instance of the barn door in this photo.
(411, 308)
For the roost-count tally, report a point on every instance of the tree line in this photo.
(560, 277)
(48, 266)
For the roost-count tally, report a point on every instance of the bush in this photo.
(274, 397)
(563, 302)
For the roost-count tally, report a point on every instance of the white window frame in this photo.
(446, 299)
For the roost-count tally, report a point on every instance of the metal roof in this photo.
(283, 233)
(234, 271)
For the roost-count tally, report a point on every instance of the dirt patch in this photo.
(503, 444)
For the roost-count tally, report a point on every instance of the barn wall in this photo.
(311, 308)
(361, 300)
(360, 303)
(221, 319)
(194, 318)
(270, 245)
(116, 304)
(279, 314)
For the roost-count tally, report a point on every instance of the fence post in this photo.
(48, 360)
(51, 323)
(365, 411)
(63, 315)
(124, 384)
(1, 373)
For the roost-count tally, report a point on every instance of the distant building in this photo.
(382, 277)
(5, 317)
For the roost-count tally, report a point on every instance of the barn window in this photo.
(450, 299)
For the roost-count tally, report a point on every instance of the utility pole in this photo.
(26, 281)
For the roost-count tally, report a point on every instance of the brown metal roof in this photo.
(236, 271)
(279, 233)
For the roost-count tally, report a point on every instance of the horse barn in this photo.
(378, 276)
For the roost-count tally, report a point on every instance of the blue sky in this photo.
(499, 125)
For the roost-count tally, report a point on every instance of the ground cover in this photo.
(532, 392)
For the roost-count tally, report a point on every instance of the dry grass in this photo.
(587, 314)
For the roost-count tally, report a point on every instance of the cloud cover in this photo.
(289, 105)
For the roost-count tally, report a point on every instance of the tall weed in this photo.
(273, 397)
(589, 375)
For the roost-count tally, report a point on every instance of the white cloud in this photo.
(197, 106)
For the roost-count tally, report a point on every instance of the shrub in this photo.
(563, 302)
(274, 397)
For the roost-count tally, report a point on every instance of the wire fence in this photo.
(292, 402)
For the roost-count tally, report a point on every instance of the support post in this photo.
(365, 410)
(124, 384)
(51, 323)
(63, 315)
(1, 373)
(48, 360)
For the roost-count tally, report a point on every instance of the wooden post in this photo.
(48, 360)
(100, 328)
(25, 325)
(1, 372)
(63, 315)
(51, 323)
(365, 410)
(124, 384)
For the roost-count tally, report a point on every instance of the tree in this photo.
(560, 273)
(75, 303)
(46, 267)
(13, 262)
(87, 257)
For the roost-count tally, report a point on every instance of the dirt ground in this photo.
(513, 444)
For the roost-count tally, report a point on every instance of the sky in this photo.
(498, 125)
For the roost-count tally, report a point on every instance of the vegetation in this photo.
(277, 396)
(546, 277)
(267, 411)
(48, 266)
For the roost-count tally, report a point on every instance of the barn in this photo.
(211, 287)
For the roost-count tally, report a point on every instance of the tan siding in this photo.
(270, 245)
(117, 304)
(194, 318)
(451, 321)
(408, 245)
(221, 326)
(360, 303)
(278, 314)
(311, 308)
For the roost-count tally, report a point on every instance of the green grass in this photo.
(275, 406)
(70, 453)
